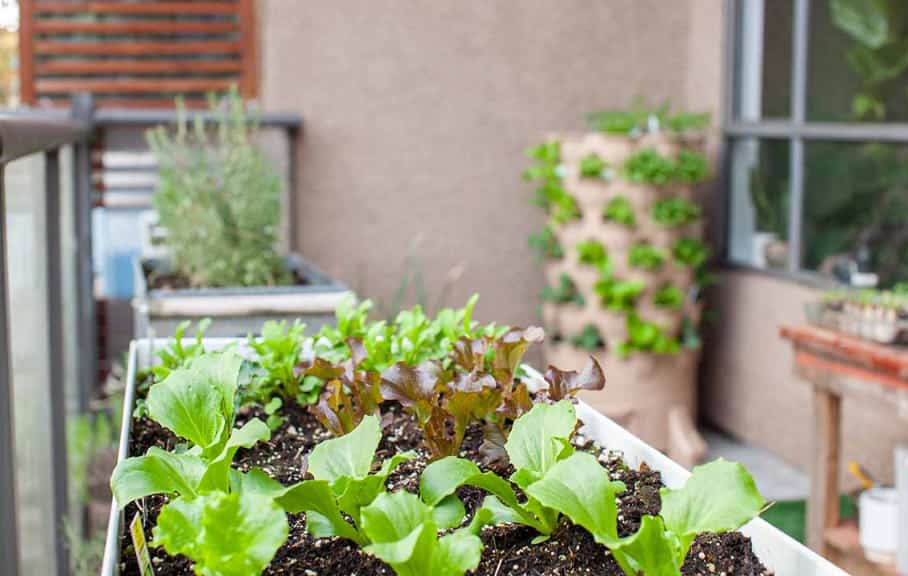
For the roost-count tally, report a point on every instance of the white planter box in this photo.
(780, 553)
(236, 311)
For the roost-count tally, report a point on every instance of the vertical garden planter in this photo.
(623, 257)
(779, 553)
(235, 311)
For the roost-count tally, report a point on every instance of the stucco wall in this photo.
(417, 115)
(748, 388)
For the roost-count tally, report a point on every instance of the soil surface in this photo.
(175, 281)
(571, 550)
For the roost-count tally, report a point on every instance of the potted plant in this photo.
(427, 448)
(624, 259)
(219, 209)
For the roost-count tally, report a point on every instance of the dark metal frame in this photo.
(796, 130)
(23, 135)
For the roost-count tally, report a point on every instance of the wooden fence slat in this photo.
(137, 66)
(147, 7)
(119, 48)
(131, 27)
(133, 86)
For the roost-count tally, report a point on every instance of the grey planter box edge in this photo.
(780, 553)
(236, 311)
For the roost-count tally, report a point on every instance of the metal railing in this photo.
(21, 136)
(43, 134)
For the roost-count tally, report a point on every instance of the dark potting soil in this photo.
(175, 281)
(571, 550)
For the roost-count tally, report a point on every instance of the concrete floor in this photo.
(776, 479)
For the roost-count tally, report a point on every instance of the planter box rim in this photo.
(780, 553)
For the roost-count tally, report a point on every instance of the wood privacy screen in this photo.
(135, 53)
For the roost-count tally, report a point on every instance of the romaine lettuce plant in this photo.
(718, 497)
(403, 532)
(197, 403)
(538, 440)
(224, 534)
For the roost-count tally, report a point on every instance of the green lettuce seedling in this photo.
(591, 166)
(278, 351)
(669, 296)
(619, 210)
(343, 483)
(690, 252)
(718, 497)
(175, 354)
(403, 532)
(196, 403)
(223, 534)
(538, 440)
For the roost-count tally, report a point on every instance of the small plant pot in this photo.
(879, 523)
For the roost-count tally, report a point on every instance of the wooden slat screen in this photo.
(136, 53)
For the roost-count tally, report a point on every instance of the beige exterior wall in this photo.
(748, 388)
(417, 115)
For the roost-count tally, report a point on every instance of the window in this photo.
(816, 127)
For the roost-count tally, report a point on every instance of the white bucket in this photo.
(879, 523)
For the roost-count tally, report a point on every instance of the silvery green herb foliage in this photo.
(718, 497)
(218, 199)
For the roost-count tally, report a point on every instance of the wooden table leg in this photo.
(823, 500)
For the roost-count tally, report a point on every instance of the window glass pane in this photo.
(758, 210)
(764, 59)
(856, 209)
(858, 61)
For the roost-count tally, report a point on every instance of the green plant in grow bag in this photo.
(588, 339)
(645, 256)
(224, 534)
(592, 166)
(593, 253)
(564, 293)
(690, 167)
(669, 296)
(197, 403)
(547, 156)
(676, 211)
(691, 252)
(219, 200)
(648, 166)
(618, 295)
(403, 532)
(278, 353)
(546, 244)
(718, 497)
(619, 210)
(645, 336)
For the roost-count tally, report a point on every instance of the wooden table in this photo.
(838, 365)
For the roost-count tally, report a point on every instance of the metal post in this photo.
(55, 349)
(83, 110)
(9, 536)
(800, 30)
